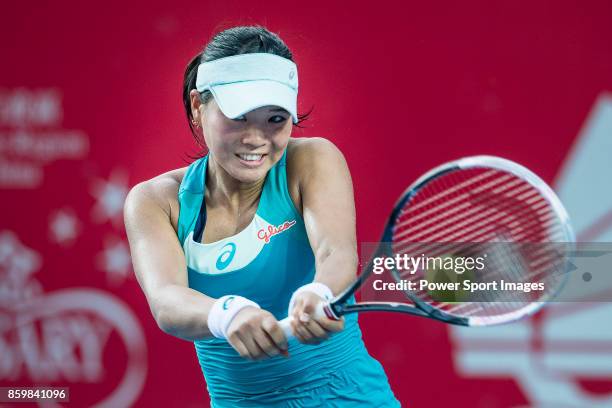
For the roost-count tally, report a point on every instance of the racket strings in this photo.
(486, 210)
(408, 212)
(465, 249)
(460, 248)
(442, 193)
(485, 230)
(483, 221)
(467, 208)
(438, 211)
(455, 247)
(548, 220)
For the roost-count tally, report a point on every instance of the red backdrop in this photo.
(90, 104)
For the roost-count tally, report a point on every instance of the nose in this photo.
(254, 136)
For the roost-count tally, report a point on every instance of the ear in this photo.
(196, 105)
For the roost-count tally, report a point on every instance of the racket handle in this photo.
(285, 324)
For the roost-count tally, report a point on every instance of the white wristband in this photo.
(223, 311)
(317, 288)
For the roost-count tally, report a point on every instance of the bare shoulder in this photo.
(306, 151)
(307, 157)
(310, 157)
(160, 191)
(160, 188)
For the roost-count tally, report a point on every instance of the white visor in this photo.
(244, 82)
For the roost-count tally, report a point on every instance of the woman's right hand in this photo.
(255, 334)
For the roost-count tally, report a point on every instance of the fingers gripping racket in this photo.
(484, 203)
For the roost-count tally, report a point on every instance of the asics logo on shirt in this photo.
(266, 234)
(226, 256)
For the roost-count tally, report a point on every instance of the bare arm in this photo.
(159, 262)
(329, 214)
(328, 209)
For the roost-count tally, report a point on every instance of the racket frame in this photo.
(339, 305)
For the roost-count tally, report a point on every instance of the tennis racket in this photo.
(481, 206)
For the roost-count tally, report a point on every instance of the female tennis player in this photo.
(260, 228)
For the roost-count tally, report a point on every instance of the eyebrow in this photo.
(278, 110)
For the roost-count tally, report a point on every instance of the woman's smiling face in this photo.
(246, 147)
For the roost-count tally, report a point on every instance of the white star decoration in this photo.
(17, 264)
(115, 261)
(63, 227)
(16, 258)
(110, 195)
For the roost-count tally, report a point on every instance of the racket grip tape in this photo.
(322, 310)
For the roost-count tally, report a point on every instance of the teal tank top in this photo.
(266, 262)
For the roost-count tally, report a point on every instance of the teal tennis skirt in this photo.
(359, 383)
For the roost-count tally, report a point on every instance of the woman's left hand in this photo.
(307, 328)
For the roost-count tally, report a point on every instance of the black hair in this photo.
(233, 41)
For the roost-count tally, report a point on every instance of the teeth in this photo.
(250, 157)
